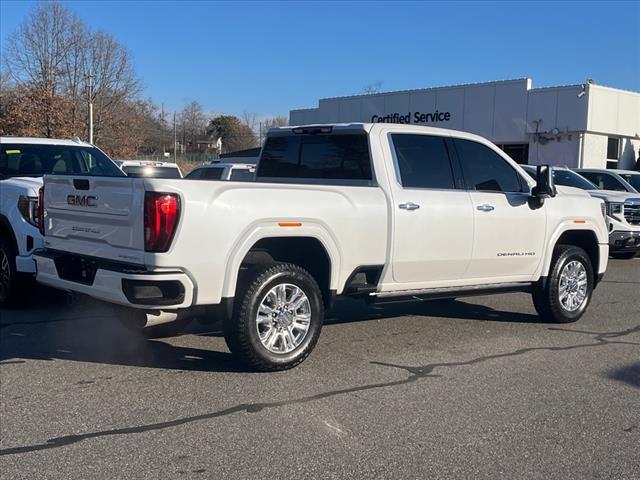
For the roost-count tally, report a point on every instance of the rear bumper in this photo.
(128, 285)
(624, 241)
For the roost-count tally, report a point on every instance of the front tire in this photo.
(14, 287)
(566, 294)
(278, 318)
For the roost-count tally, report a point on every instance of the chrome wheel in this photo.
(5, 275)
(283, 318)
(573, 287)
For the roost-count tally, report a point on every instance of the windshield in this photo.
(33, 160)
(633, 179)
(151, 172)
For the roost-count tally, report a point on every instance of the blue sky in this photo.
(269, 57)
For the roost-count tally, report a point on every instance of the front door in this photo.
(509, 235)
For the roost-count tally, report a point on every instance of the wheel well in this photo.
(586, 240)
(7, 231)
(306, 252)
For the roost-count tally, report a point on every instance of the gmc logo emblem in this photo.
(82, 200)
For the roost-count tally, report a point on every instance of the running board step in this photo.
(448, 292)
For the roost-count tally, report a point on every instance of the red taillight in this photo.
(161, 216)
(40, 210)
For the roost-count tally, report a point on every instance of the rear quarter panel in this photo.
(221, 221)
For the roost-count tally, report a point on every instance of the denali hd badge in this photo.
(82, 200)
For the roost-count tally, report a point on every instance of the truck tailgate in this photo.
(96, 216)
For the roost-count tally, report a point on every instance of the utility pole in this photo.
(90, 101)
(162, 127)
(175, 138)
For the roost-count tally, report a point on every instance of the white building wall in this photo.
(551, 120)
(595, 151)
(563, 152)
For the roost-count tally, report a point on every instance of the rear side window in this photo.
(242, 175)
(212, 173)
(484, 169)
(330, 157)
(423, 161)
(29, 160)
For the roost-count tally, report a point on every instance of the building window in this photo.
(613, 148)
(518, 151)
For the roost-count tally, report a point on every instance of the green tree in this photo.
(235, 135)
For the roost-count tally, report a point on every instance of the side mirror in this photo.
(544, 188)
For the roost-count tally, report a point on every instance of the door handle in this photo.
(485, 207)
(409, 206)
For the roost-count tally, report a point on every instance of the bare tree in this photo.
(37, 51)
(193, 123)
(54, 51)
(270, 123)
(249, 119)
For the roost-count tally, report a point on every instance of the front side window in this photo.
(484, 169)
(36, 160)
(567, 178)
(423, 161)
(330, 157)
(604, 181)
(632, 179)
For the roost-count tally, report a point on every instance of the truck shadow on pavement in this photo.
(629, 374)
(349, 311)
(85, 332)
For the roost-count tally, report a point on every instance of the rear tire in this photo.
(624, 255)
(566, 294)
(15, 287)
(277, 319)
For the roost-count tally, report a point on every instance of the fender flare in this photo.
(565, 226)
(269, 229)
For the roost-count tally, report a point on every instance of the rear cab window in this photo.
(340, 157)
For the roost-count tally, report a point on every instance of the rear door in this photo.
(433, 219)
(509, 236)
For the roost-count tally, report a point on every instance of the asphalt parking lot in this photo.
(475, 388)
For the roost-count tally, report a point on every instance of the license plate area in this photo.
(76, 269)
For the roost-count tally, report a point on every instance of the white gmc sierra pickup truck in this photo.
(380, 211)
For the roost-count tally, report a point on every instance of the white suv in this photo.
(23, 162)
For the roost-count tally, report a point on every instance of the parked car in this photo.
(623, 211)
(384, 212)
(148, 169)
(223, 171)
(23, 162)
(618, 180)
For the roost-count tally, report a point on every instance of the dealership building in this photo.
(583, 125)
